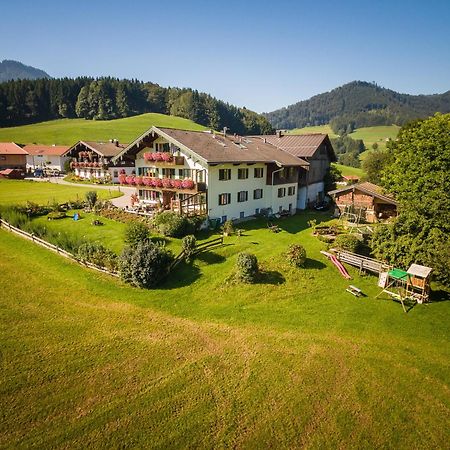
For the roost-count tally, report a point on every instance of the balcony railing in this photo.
(87, 165)
(159, 183)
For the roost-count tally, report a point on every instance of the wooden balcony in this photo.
(160, 159)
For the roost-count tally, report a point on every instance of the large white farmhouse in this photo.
(203, 172)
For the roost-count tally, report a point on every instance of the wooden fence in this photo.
(362, 262)
(53, 248)
(198, 249)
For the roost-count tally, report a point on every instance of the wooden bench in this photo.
(354, 291)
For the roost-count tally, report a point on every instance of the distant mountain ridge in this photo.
(15, 70)
(359, 104)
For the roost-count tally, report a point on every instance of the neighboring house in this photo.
(12, 174)
(203, 172)
(315, 154)
(92, 160)
(49, 157)
(12, 156)
(367, 198)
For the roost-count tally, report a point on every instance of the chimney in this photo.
(279, 133)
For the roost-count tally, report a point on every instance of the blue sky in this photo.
(258, 54)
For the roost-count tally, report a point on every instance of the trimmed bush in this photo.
(145, 264)
(136, 232)
(228, 228)
(189, 244)
(348, 242)
(91, 198)
(247, 267)
(172, 224)
(97, 254)
(296, 255)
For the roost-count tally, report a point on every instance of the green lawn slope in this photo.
(69, 131)
(292, 361)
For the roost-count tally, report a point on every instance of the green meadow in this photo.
(13, 192)
(69, 131)
(291, 361)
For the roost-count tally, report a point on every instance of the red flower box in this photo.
(147, 181)
(177, 184)
(167, 182)
(187, 184)
(122, 178)
(130, 179)
(157, 182)
(148, 156)
(157, 156)
(139, 181)
(166, 157)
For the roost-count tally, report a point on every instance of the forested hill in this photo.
(15, 70)
(30, 101)
(359, 104)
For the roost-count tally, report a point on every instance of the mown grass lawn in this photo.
(293, 361)
(347, 170)
(13, 192)
(69, 131)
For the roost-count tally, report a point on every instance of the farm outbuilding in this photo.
(367, 198)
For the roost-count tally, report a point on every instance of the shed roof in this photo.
(11, 148)
(48, 150)
(366, 188)
(419, 271)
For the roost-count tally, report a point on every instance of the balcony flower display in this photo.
(130, 179)
(148, 156)
(167, 182)
(157, 182)
(157, 156)
(177, 184)
(187, 184)
(122, 178)
(166, 157)
(138, 181)
(147, 181)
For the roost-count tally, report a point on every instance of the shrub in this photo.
(145, 264)
(172, 224)
(97, 254)
(247, 267)
(14, 217)
(348, 242)
(228, 228)
(296, 255)
(189, 244)
(55, 215)
(91, 198)
(136, 232)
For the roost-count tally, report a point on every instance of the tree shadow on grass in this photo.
(314, 264)
(210, 258)
(160, 240)
(439, 295)
(270, 277)
(182, 275)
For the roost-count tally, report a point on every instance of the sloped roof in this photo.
(301, 145)
(366, 188)
(48, 150)
(107, 149)
(419, 271)
(215, 148)
(11, 148)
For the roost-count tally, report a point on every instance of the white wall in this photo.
(40, 161)
(234, 185)
(301, 197)
(313, 190)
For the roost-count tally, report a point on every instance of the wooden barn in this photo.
(367, 198)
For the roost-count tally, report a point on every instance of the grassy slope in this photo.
(69, 131)
(317, 129)
(347, 170)
(292, 361)
(370, 135)
(13, 192)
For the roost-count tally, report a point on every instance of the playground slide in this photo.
(338, 264)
